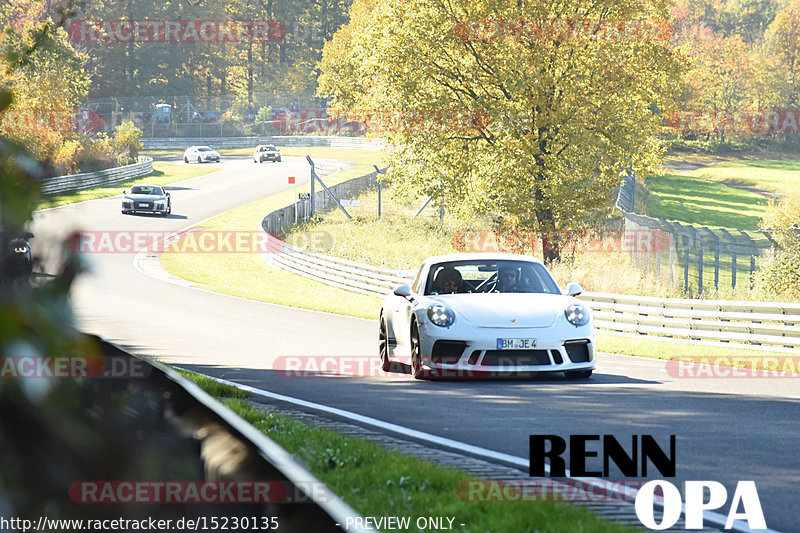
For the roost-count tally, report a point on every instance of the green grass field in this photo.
(700, 202)
(163, 173)
(779, 176)
(377, 481)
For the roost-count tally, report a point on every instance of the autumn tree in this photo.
(782, 40)
(527, 110)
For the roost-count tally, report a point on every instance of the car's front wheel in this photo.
(383, 346)
(578, 374)
(416, 353)
(199, 160)
(185, 159)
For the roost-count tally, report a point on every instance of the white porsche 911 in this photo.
(475, 315)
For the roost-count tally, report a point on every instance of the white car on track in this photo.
(201, 154)
(475, 315)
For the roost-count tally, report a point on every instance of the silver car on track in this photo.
(146, 199)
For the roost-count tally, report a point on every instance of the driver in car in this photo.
(507, 280)
(448, 281)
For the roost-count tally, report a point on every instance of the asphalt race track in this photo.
(727, 429)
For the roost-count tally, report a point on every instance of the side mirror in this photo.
(573, 289)
(403, 290)
(167, 194)
(124, 192)
(28, 235)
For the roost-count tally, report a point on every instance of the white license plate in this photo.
(516, 344)
(142, 205)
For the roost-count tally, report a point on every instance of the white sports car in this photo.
(201, 154)
(474, 315)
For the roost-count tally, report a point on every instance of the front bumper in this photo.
(144, 207)
(210, 159)
(270, 157)
(476, 352)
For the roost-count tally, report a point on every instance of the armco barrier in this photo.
(744, 324)
(160, 448)
(101, 178)
(181, 143)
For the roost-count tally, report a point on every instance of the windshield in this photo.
(511, 276)
(204, 149)
(146, 189)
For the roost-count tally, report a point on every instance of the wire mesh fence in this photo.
(697, 258)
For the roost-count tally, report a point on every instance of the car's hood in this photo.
(508, 310)
(145, 197)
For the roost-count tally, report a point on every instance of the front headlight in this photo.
(441, 315)
(127, 201)
(21, 249)
(161, 202)
(577, 315)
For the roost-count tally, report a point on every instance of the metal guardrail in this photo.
(342, 273)
(181, 143)
(101, 178)
(735, 323)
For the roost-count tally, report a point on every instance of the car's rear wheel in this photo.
(416, 353)
(578, 374)
(383, 346)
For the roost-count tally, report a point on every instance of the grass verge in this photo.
(234, 273)
(163, 173)
(376, 481)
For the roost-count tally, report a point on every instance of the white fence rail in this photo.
(181, 143)
(736, 324)
(101, 178)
